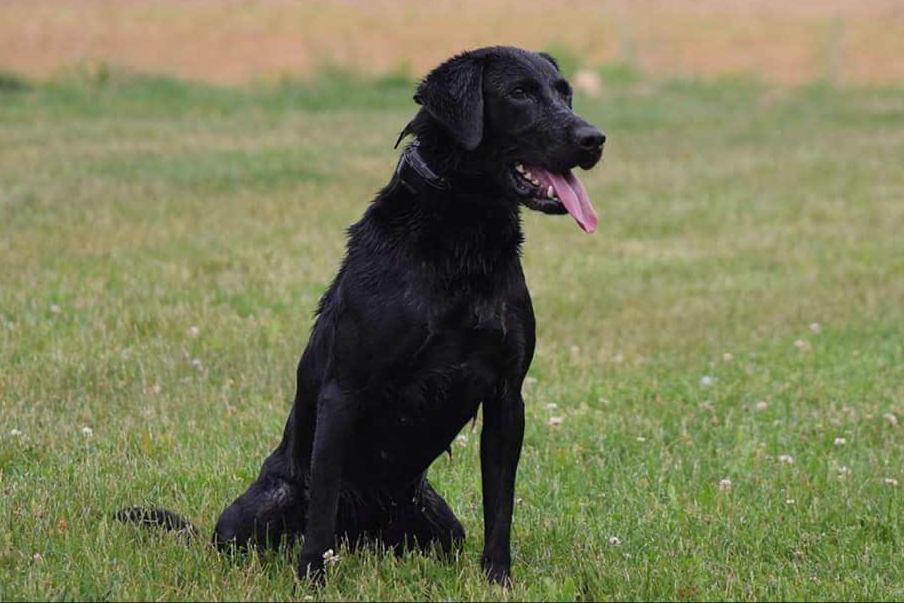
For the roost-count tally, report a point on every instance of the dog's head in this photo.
(508, 114)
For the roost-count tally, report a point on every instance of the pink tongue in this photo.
(573, 195)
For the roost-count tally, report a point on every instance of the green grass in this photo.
(734, 215)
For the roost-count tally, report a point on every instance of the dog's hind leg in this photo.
(274, 507)
(271, 509)
(424, 522)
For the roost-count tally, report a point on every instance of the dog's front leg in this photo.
(500, 449)
(335, 421)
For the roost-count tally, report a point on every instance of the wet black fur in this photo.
(428, 318)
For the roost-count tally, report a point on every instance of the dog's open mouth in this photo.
(554, 193)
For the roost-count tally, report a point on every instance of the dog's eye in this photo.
(518, 93)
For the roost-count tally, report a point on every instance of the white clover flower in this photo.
(725, 485)
(87, 431)
(330, 558)
(840, 441)
(552, 406)
(790, 501)
(554, 421)
(194, 331)
(891, 419)
(815, 328)
(197, 364)
(706, 380)
(16, 433)
(462, 439)
(615, 541)
(762, 405)
(727, 357)
(37, 557)
(891, 481)
(641, 439)
(802, 345)
(786, 459)
(55, 309)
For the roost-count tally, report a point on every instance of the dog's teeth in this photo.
(519, 168)
(526, 174)
(549, 192)
(535, 182)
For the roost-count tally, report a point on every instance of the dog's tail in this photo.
(158, 517)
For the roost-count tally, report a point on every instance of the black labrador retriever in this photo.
(428, 317)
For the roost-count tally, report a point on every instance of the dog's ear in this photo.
(551, 59)
(453, 95)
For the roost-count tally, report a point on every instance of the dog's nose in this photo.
(589, 138)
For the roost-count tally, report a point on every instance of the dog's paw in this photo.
(498, 572)
(311, 568)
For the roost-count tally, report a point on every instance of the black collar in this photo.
(413, 173)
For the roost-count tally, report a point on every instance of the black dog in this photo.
(428, 317)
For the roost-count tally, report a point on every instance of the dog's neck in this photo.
(452, 216)
(448, 202)
(436, 148)
(415, 174)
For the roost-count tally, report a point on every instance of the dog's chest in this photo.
(462, 312)
(467, 352)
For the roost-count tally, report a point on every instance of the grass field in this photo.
(738, 316)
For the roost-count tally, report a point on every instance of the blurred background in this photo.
(236, 41)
